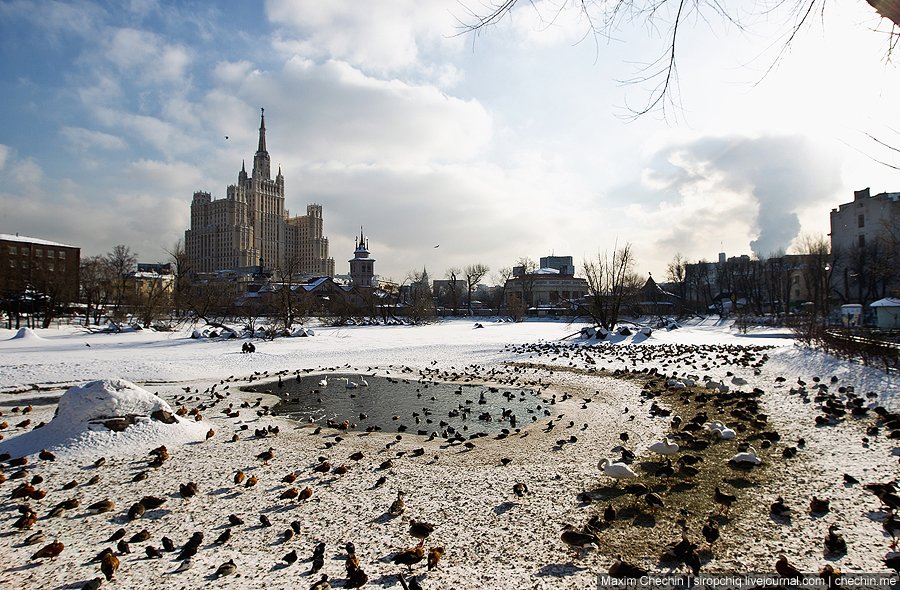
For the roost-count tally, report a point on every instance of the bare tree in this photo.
(182, 270)
(675, 274)
(668, 20)
(121, 261)
(421, 301)
(151, 299)
(454, 288)
(612, 282)
(473, 275)
(501, 278)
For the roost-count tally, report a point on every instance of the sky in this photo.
(512, 142)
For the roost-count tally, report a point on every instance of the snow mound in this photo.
(26, 334)
(110, 417)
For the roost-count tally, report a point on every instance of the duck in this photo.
(109, 563)
(818, 505)
(51, 550)
(420, 530)
(267, 456)
(654, 501)
(748, 458)
(786, 570)
(410, 557)
(397, 506)
(778, 508)
(578, 540)
(710, 530)
(664, 447)
(616, 470)
(434, 556)
(726, 500)
(835, 543)
(623, 569)
(226, 569)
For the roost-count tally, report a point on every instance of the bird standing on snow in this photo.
(616, 470)
(226, 569)
(664, 447)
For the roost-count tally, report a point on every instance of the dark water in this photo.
(398, 405)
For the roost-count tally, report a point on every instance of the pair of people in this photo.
(248, 347)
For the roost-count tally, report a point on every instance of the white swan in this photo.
(349, 384)
(749, 457)
(616, 470)
(719, 429)
(323, 382)
(739, 381)
(363, 382)
(664, 447)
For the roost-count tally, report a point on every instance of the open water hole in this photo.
(448, 410)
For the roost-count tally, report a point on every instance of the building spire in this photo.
(262, 130)
(261, 161)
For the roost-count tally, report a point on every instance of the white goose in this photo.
(616, 470)
(664, 447)
(748, 457)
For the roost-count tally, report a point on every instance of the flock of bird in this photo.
(723, 416)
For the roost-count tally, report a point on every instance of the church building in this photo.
(250, 228)
(362, 267)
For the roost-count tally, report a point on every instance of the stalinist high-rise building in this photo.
(250, 228)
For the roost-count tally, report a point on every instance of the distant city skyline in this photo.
(498, 146)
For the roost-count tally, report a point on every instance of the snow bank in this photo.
(107, 417)
(26, 334)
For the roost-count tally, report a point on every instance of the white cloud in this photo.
(85, 139)
(377, 36)
(5, 151)
(147, 55)
(336, 112)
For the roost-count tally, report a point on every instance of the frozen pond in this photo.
(391, 404)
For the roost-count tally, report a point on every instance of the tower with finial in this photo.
(251, 224)
(362, 266)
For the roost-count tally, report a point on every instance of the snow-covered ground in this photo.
(491, 536)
